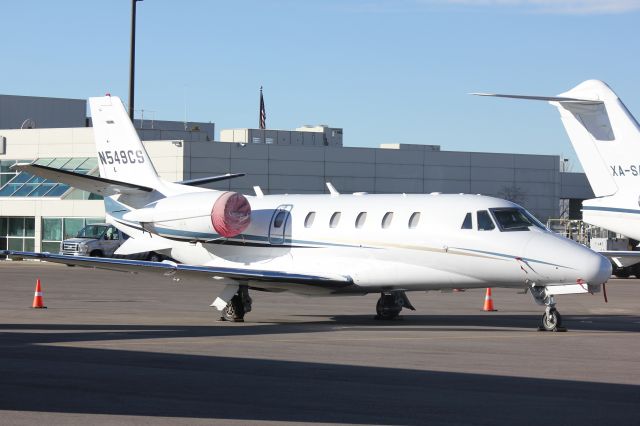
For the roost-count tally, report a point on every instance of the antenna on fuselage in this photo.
(332, 190)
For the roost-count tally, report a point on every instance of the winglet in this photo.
(258, 191)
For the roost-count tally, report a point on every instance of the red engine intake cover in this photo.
(231, 214)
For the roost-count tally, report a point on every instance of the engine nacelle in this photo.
(200, 216)
(231, 214)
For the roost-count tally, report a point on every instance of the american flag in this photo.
(263, 114)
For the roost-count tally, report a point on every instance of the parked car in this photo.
(102, 240)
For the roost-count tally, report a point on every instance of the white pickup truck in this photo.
(101, 240)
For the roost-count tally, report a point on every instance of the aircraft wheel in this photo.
(154, 257)
(552, 321)
(234, 311)
(387, 308)
(622, 272)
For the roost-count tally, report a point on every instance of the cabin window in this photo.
(308, 221)
(362, 217)
(484, 221)
(279, 220)
(335, 219)
(386, 219)
(414, 220)
(466, 224)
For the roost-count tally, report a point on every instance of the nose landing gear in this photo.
(551, 319)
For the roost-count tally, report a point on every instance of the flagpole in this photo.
(262, 115)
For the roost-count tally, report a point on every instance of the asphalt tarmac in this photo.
(115, 348)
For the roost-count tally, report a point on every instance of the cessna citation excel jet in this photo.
(606, 138)
(333, 244)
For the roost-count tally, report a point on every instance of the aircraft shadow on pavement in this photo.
(66, 379)
(453, 323)
(59, 333)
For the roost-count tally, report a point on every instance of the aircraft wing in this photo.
(622, 259)
(171, 269)
(93, 184)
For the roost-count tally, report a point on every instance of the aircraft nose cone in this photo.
(598, 270)
(581, 263)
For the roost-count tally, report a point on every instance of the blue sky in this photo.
(384, 70)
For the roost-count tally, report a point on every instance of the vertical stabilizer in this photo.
(605, 136)
(603, 133)
(121, 155)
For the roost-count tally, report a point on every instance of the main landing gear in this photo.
(391, 303)
(551, 319)
(238, 306)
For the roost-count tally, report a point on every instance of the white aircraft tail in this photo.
(604, 134)
(121, 155)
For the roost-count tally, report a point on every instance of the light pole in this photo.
(132, 62)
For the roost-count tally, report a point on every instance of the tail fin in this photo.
(604, 134)
(121, 155)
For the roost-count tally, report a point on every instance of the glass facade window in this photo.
(6, 173)
(71, 226)
(16, 226)
(21, 184)
(51, 229)
(56, 229)
(17, 233)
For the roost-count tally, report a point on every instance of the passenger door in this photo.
(280, 226)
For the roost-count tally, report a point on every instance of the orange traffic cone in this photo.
(488, 302)
(38, 303)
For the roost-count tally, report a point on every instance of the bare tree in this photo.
(513, 193)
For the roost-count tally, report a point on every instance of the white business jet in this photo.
(333, 244)
(606, 138)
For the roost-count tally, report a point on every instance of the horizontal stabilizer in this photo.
(542, 98)
(93, 184)
(622, 258)
(205, 180)
(143, 245)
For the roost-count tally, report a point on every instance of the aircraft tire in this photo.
(154, 257)
(388, 312)
(622, 272)
(234, 311)
(551, 321)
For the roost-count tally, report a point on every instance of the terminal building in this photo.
(321, 135)
(36, 214)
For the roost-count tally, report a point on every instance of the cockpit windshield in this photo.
(513, 219)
